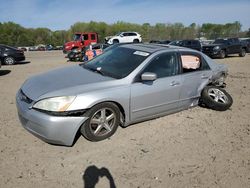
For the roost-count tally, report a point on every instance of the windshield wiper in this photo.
(98, 69)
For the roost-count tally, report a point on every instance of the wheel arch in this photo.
(116, 40)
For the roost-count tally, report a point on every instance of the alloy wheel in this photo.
(217, 95)
(102, 122)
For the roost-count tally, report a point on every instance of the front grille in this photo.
(24, 97)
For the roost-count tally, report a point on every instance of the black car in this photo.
(9, 55)
(193, 44)
(223, 47)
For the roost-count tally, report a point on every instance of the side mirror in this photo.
(148, 76)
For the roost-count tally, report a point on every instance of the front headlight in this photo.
(216, 48)
(55, 104)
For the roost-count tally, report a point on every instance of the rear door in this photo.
(195, 75)
(124, 38)
(159, 96)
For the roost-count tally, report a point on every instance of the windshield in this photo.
(77, 37)
(219, 41)
(118, 34)
(117, 62)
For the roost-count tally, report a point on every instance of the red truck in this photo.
(80, 40)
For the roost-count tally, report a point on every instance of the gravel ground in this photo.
(193, 148)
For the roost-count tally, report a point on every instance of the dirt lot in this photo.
(194, 148)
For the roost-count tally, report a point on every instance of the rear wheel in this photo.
(135, 41)
(216, 98)
(9, 60)
(242, 52)
(103, 121)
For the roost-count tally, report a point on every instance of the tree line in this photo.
(16, 35)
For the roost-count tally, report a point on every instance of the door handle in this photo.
(174, 83)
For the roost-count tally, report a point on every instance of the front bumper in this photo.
(212, 53)
(52, 129)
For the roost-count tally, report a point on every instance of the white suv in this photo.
(124, 37)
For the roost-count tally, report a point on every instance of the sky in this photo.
(61, 14)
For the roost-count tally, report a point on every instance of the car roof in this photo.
(151, 48)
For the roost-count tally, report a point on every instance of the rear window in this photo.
(190, 62)
(193, 62)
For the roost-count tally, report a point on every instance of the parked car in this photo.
(49, 47)
(224, 47)
(127, 84)
(32, 48)
(124, 37)
(58, 48)
(10, 55)
(193, 44)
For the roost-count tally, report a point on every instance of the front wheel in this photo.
(216, 98)
(103, 121)
(222, 54)
(9, 60)
(242, 52)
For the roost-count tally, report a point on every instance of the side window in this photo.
(93, 37)
(132, 34)
(125, 34)
(193, 62)
(164, 65)
(85, 37)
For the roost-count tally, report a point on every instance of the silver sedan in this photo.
(127, 84)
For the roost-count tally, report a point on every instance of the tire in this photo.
(222, 54)
(9, 60)
(115, 41)
(135, 41)
(103, 121)
(216, 98)
(242, 52)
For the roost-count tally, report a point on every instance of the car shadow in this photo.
(4, 72)
(22, 62)
(92, 174)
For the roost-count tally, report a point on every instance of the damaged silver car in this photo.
(127, 84)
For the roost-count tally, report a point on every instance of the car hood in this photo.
(62, 82)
